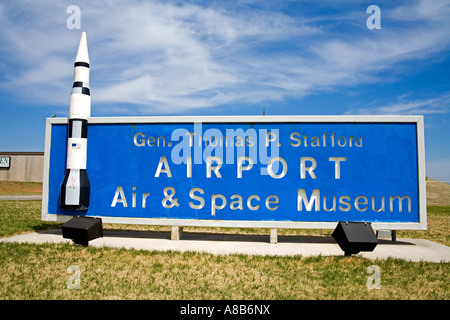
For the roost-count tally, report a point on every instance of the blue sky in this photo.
(228, 58)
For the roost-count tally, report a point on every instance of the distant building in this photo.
(22, 166)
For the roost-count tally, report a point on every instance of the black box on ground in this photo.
(353, 237)
(82, 229)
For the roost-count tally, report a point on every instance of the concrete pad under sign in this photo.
(407, 249)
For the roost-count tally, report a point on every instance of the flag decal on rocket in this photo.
(75, 188)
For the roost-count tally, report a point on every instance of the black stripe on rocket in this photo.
(75, 188)
(81, 87)
(78, 128)
(81, 64)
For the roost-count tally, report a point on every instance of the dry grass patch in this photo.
(438, 193)
(31, 271)
(20, 188)
(40, 272)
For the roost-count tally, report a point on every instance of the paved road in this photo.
(22, 197)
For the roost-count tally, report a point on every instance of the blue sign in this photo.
(265, 171)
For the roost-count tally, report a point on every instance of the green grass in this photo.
(22, 216)
(25, 216)
(438, 229)
(31, 271)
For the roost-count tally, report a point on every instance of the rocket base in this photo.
(75, 190)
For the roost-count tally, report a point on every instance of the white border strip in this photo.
(421, 174)
(48, 134)
(418, 120)
(246, 119)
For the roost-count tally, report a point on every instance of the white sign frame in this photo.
(418, 120)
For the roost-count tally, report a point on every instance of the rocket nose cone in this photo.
(82, 53)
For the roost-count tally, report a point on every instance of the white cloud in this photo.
(407, 105)
(429, 11)
(166, 57)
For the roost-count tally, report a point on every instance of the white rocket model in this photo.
(75, 188)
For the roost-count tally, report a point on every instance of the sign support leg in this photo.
(273, 236)
(175, 234)
(394, 235)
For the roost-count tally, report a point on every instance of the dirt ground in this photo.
(19, 188)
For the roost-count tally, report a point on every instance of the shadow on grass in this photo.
(46, 226)
(207, 236)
